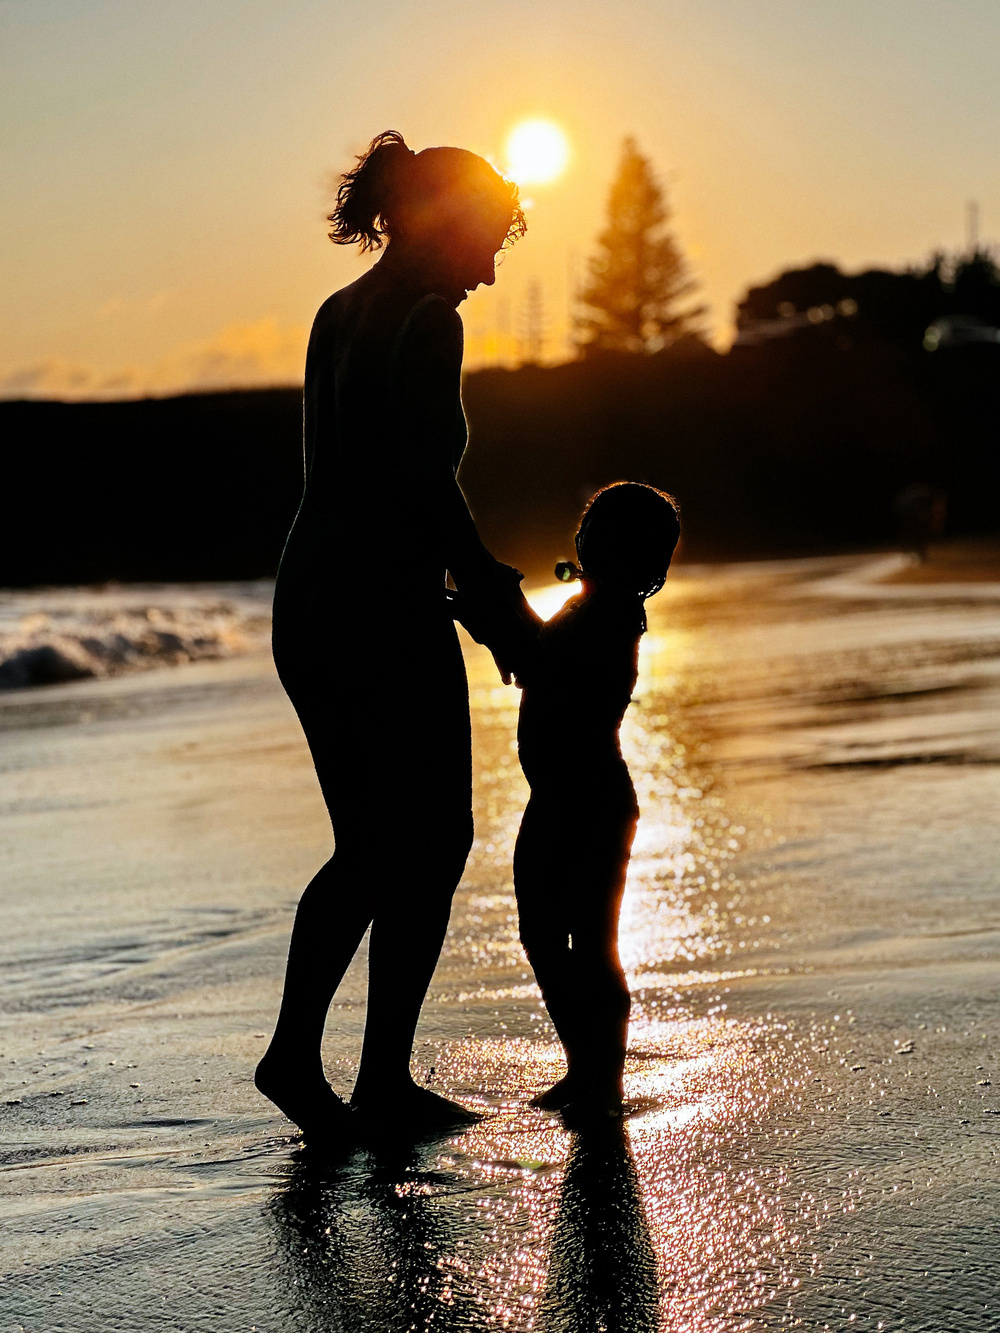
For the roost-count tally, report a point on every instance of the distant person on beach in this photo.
(363, 637)
(573, 847)
(921, 512)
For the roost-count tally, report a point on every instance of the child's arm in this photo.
(513, 647)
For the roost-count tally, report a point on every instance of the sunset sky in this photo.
(167, 163)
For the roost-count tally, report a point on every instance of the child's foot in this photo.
(558, 1096)
(307, 1100)
(411, 1109)
(596, 1106)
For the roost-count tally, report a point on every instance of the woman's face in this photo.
(459, 248)
(469, 251)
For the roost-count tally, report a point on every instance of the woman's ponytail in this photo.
(368, 191)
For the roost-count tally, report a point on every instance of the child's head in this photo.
(627, 536)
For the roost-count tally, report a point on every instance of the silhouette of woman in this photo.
(382, 519)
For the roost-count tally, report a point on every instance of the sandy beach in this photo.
(811, 933)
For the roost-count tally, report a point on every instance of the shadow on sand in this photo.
(381, 1240)
(602, 1267)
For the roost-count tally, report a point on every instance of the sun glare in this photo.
(548, 600)
(537, 152)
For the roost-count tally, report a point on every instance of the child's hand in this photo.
(498, 615)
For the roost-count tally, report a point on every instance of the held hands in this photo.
(496, 613)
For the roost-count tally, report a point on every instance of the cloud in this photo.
(114, 305)
(53, 377)
(239, 356)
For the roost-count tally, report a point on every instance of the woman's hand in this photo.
(496, 613)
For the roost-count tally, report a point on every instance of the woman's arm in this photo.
(431, 420)
(432, 424)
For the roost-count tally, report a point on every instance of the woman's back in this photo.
(382, 413)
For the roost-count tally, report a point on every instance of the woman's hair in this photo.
(389, 175)
(627, 536)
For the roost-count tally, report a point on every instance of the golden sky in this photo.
(167, 163)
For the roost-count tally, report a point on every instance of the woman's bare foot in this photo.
(558, 1096)
(307, 1100)
(411, 1109)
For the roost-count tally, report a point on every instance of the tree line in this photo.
(637, 297)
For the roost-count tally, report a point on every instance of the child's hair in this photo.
(627, 536)
(390, 176)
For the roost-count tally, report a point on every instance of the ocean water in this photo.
(811, 932)
(51, 636)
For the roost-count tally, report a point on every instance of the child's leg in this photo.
(599, 979)
(540, 874)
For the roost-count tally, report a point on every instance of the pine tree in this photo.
(638, 280)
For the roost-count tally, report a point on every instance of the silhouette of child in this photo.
(573, 847)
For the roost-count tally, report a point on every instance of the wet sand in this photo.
(811, 932)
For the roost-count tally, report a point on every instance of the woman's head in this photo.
(627, 537)
(442, 202)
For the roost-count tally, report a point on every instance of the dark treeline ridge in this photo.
(774, 450)
(203, 486)
(790, 444)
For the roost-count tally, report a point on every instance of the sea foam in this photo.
(49, 636)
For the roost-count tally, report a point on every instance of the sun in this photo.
(537, 152)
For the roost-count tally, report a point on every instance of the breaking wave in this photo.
(49, 637)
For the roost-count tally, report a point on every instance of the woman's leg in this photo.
(392, 747)
(404, 890)
(337, 906)
(330, 922)
(408, 931)
(418, 856)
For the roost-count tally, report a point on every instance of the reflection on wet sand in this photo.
(666, 1220)
(602, 1265)
(364, 1243)
(387, 1241)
